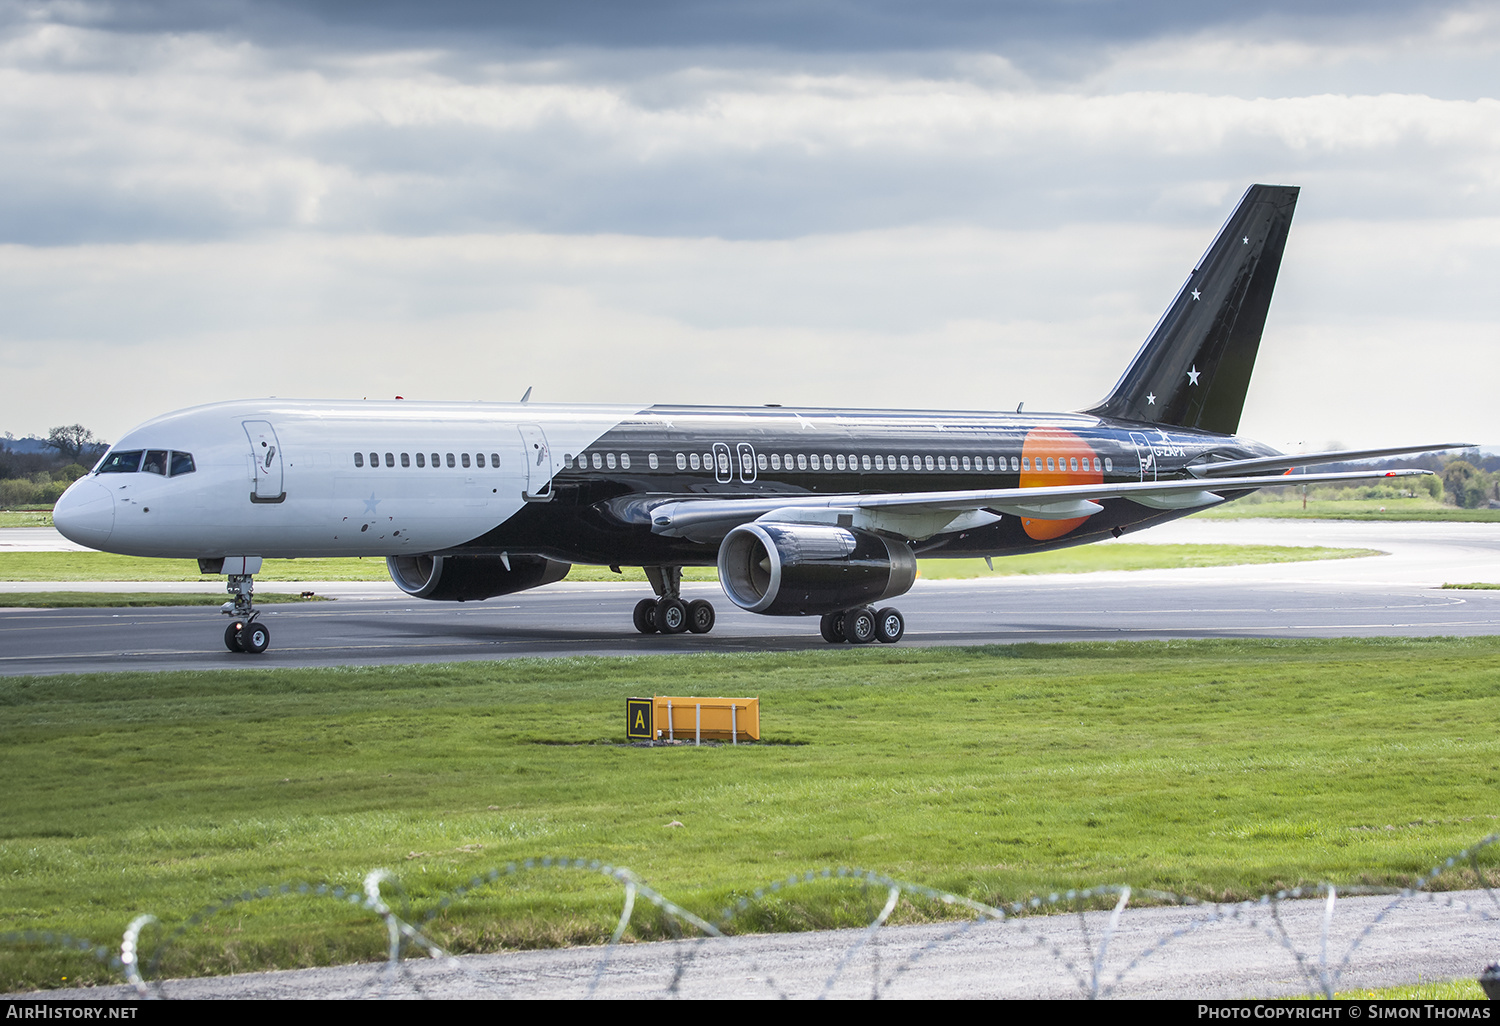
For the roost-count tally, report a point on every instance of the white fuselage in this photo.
(276, 478)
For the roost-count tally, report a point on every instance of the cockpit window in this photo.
(182, 463)
(155, 462)
(127, 462)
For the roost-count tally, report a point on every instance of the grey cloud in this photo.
(811, 26)
(129, 130)
(579, 175)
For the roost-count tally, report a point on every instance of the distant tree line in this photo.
(1470, 480)
(1469, 486)
(37, 478)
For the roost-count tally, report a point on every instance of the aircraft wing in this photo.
(1266, 463)
(919, 515)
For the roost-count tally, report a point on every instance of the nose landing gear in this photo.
(668, 614)
(244, 633)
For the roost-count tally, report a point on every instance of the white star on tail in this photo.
(1196, 293)
(1193, 375)
(1151, 398)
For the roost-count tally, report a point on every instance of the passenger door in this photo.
(1147, 456)
(537, 455)
(265, 454)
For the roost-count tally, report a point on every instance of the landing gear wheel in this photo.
(700, 616)
(859, 626)
(889, 625)
(232, 636)
(831, 626)
(255, 638)
(644, 616)
(671, 616)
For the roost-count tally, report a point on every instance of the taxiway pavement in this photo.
(1397, 594)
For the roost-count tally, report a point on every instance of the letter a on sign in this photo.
(638, 719)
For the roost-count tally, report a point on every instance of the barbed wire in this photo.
(407, 935)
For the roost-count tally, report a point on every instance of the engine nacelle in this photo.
(471, 578)
(809, 569)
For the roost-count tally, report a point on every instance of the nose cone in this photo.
(85, 513)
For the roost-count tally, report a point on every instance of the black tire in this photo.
(831, 626)
(255, 637)
(644, 616)
(671, 616)
(859, 626)
(232, 636)
(700, 616)
(889, 625)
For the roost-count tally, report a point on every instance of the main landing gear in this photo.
(668, 614)
(863, 625)
(245, 633)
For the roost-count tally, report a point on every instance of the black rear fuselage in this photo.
(600, 510)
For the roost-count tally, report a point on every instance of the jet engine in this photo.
(809, 569)
(471, 578)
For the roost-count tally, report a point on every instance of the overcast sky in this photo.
(819, 202)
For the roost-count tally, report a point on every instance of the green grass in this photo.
(1442, 990)
(1289, 506)
(25, 518)
(1220, 769)
(102, 566)
(1116, 556)
(1474, 586)
(105, 566)
(635, 574)
(131, 599)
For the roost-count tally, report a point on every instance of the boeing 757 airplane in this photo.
(806, 512)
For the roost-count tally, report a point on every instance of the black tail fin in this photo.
(1195, 368)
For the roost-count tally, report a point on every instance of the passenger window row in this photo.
(1069, 463)
(422, 458)
(839, 461)
(173, 463)
(166, 462)
(605, 460)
